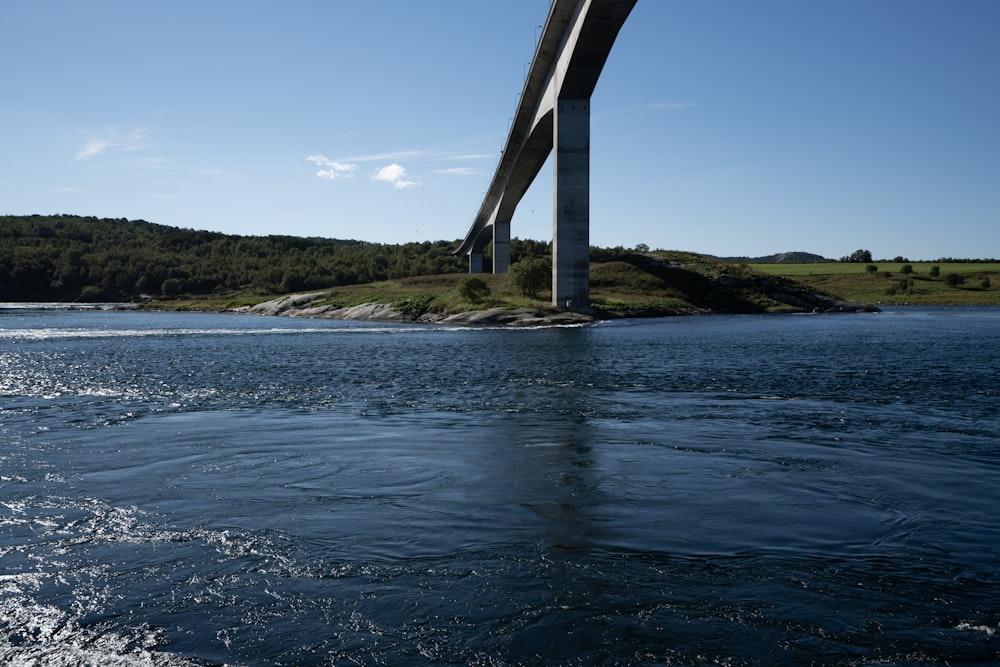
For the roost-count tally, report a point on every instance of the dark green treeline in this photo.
(73, 258)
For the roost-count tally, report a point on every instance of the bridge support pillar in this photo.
(571, 210)
(501, 246)
(476, 261)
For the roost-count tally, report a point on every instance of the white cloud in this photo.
(396, 175)
(111, 139)
(331, 169)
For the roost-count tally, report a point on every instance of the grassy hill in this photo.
(622, 285)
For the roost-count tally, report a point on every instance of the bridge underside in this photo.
(553, 116)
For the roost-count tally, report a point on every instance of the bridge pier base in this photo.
(476, 261)
(501, 246)
(571, 210)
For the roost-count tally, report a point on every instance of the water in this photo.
(191, 489)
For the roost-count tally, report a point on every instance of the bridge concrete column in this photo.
(501, 246)
(571, 210)
(476, 261)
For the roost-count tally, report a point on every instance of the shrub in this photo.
(935, 271)
(906, 269)
(954, 279)
(473, 289)
(92, 294)
(415, 305)
(171, 287)
(871, 268)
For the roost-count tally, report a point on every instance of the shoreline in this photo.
(301, 305)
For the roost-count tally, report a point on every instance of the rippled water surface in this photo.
(190, 489)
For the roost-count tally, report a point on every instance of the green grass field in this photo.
(979, 282)
(839, 268)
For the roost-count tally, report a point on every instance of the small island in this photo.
(74, 259)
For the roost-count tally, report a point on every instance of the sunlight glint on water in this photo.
(206, 489)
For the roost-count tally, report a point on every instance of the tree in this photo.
(871, 268)
(858, 256)
(906, 269)
(935, 271)
(531, 275)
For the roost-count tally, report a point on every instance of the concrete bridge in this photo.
(553, 114)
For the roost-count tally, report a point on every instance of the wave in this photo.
(71, 333)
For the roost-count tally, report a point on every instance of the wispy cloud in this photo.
(111, 139)
(332, 170)
(396, 175)
(457, 171)
(394, 156)
(474, 156)
(91, 147)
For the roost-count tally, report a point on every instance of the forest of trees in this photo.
(63, 257)
(73, 258)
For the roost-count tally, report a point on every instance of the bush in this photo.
(474, 289)
(935, 271)
(92, 294)
(171, 287)
(871, 268)
(954, 279)
(906, 269)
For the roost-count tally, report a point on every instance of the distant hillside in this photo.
(779, 258)
(72, 258)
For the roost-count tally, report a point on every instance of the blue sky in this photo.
(718, 126)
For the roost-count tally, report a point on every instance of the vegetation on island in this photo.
(945, 281)
(85, 259)
(72, 258)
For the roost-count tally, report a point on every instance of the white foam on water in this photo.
(34, 632)
(972, 627)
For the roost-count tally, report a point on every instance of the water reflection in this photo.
(539, 451)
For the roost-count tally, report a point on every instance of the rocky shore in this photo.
(308, 305)
(304, 305)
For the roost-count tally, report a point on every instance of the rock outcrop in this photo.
(304, 305)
